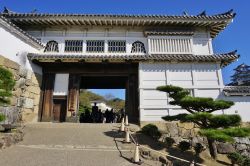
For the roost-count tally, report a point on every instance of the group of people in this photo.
(109, 116)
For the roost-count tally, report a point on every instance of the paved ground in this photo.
(66, 144)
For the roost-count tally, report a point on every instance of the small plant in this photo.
(198, 148)
(184, 146)
(246, 161)
(2, 117)
(7, 83)
(169, 141)
(152, 131)
(236, 158)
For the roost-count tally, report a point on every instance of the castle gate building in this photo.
(134, 52)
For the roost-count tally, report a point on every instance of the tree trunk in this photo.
(212, 148)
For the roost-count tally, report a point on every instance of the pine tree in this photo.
(214, 127)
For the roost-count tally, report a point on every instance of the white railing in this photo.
(170, 45)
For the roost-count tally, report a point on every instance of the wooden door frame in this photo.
(77, 70)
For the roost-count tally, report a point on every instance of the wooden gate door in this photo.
(59, 110)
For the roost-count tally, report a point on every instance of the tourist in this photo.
(94, 113)
(107, 115)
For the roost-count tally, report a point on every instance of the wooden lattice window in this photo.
(51, 46)
(73, 45)
(138, 47)
(95, 46)
(117, 46)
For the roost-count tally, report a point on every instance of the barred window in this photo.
(51, 46)
(73, 46)
(116, 46)
(95, 45)
(138, 47)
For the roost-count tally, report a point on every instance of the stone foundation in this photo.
(189, 132)
(26, 93)
(8, 139)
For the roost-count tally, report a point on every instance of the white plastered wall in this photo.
(16, 50)
(61, 85)
(202, 79)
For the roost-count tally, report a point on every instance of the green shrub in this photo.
(7, 83)
(2, 117)
(236, 158)
(169, 141)
(152, 131)
(184, 146)
(246, 161)
(198, 148)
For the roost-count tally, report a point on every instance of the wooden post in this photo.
(132, 98)
(73, 94)
(47, 97)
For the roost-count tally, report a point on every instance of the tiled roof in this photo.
(224, 59)
(216, 23)
(24, 35)
(237, 90)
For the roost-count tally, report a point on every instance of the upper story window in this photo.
(73, 45)
(117, 46)
(138, 47)
(51, 46)
(95, 46)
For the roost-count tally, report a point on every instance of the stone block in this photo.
(177, 140)
(173, 129)
(21, 83)
(243, 140)
(33, 89)
(241, 147)
(25, 94)
(28, 103)
(28, 115)
(22, 72)
(29, 83)
(245, 153)
(29, 74)
(36, 109)
(187, 126)
(13, 101)
(37, 100)
(200, 140)
(36, 79)
(11, 64)
(225, 148)
(186, 133)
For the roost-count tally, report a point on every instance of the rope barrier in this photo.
(170, 155)
(162, 153)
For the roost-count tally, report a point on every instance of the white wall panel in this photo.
(61, 85)
(214, 93)
(16, 50)
(199, 77)
(241, 106)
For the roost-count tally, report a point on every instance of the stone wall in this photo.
(189, 132)
(26, 93)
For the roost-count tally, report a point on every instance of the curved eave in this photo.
(216, 23)
(224, 59)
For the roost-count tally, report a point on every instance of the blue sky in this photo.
(235, 36)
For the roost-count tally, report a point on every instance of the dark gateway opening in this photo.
(102, 75)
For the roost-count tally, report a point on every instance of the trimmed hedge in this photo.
(152, 131)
